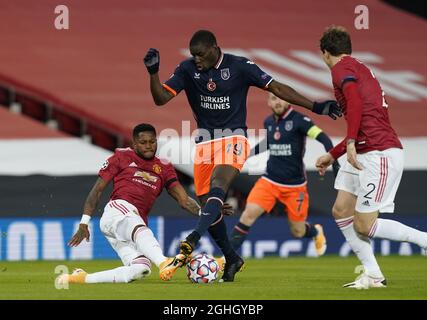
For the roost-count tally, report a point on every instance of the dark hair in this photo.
(336, 40)
(143, 127)
(204, 37)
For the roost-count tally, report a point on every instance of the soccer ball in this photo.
(202, 268)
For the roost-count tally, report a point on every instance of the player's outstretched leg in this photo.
(396, 231)
(150, 247)
(139, 268)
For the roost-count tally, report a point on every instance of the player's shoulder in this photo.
(348, 62)
(238, 60)
(269, 119)
(123, 152)
(299, 116)
(162, 162)
(187, 64)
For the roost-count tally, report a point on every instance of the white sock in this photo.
(361, 247)
(148, 245)
(119, 275)
(393, 230)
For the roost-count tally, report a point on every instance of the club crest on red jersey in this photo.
(157, 169)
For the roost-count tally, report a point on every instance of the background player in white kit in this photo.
(367, 182)
(139, 178)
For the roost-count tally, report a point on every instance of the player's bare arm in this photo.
(284, 92)
(323, 162)
(352, 154)
(152, 61)
(89, 208)
(184, 200)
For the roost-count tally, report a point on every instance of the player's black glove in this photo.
(329, 107)
(152, 60)
(336, 167)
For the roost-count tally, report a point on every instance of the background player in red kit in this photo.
(216, 85)
(367, 182)
(139, 178)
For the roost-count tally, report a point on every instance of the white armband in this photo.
(85, 219)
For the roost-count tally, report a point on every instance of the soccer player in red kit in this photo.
(216, 85)
(139, 178)
(367, 182)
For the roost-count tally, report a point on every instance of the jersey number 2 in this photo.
(368, 195)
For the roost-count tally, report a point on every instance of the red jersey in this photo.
(136, 180)
(374, 131)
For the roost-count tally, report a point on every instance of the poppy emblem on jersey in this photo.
(157, 169)
(277, 135)
(146, 176)
(211, 85)
(225, 74)
(289, 125)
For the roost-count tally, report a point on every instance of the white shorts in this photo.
(117, 223)
(376, 185)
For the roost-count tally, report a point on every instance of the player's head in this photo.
(278, 105)
(144, 140)
(204, 49)
(334, 43)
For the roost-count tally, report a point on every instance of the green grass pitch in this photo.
(295, 278)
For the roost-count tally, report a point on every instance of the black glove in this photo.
(336, 167)
(152, 60)
(329, 107)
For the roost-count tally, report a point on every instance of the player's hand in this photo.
(329, 107)
(323, 162)
(152, 61)
(227, 209)
(82, 233)
(335, 168)
(352, 155)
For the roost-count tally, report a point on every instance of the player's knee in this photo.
(298, 232)
(137, 229)
(340, 212)
(361, 227)
(219, 183)
(248, 217)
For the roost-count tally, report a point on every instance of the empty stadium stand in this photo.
(91, 80)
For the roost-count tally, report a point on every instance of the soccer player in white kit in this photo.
(367, 182)
(139, 178)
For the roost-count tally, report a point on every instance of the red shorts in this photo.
(295, 199)
(232, 150)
